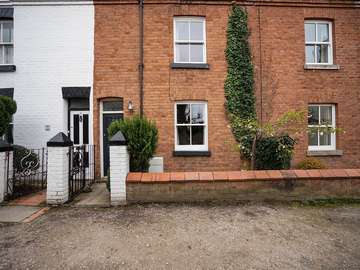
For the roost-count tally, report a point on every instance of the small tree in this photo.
(7, 109)
(142, 137)
(265, 145)
(270, 145)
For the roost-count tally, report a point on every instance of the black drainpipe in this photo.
(141, 54)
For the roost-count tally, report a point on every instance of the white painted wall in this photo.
(119, 168)
(53, 48)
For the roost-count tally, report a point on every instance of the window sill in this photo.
(189, 66)
(316, 66)
(323, 153)
(191, 153)
(7, 68)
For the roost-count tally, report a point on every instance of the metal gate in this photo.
(81, 168)
(26, 171)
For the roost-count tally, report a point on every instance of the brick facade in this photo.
(281, 82)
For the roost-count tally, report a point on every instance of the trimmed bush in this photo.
(311, 164)
(142, 137)
(7, 109)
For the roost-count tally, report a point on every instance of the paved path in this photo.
(24, 209)
(185, 237)
(16, 213)
(99, 197)
(34, 199)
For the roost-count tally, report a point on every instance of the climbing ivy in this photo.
(261, 145)
(240, 99)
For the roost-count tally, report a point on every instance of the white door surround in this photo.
(79, 127)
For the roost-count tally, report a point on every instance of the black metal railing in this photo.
(81, 168)
(26, 171)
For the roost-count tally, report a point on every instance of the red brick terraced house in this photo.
(165, 59)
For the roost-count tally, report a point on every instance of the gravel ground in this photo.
(254, 236)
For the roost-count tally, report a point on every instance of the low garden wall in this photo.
(243, 185)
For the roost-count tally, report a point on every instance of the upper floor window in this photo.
(320, 118)
(318, 42)
(6, 42)
(191, 126)
(189, 40)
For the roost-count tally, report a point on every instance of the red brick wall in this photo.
(285, 83)
(116, 59)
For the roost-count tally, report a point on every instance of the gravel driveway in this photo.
(252, 236)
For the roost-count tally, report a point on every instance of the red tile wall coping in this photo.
(242, 175)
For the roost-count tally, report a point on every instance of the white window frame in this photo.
(333, 125)
(176, 41)
(4, 44)
(330, 42)
(203, 147)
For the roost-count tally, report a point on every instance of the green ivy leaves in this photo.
(240, 99)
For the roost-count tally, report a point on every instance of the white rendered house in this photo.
(46, 65)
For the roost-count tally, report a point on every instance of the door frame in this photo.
(71, 122)
(101, 133)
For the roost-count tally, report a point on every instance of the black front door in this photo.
(107, 119)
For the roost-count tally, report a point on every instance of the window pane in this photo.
(313, 117)
(1, 55)
(310, 54)
(196, 53)
(197, 114)
(183, 113)
(7, 32)
(182, 53)
(114, 105)
(322, 53)
(76, 128)
(197, 134)
(325, 138)
(183, 135)
(309, 32)
(9, 54)
(85, 129)
(326, 115)
(196, 31)
(182, 30)
(313, 138)
(323, 32)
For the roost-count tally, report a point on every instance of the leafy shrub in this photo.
(24, 159)
(142, 137)
(311, 164)
(7, 109)
(272, 153)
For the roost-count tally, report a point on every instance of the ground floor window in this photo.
(321, 117)
(191, 126)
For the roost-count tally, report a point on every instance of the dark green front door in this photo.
(107, 119)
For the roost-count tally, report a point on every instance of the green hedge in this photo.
(7, 109)
(142, 138)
